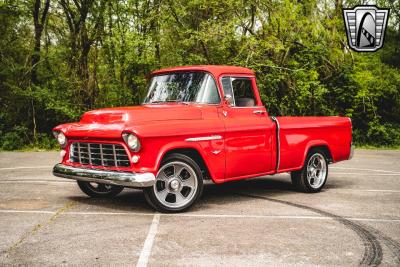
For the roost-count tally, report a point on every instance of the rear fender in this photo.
(316, 143)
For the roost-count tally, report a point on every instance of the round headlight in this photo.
(61, 139)
(132, 141)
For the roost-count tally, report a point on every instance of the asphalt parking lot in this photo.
(45, 220)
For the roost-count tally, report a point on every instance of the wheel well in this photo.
(324, 149)
(193, 154)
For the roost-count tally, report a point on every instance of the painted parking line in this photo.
(363, 169)
(26, 167)
(199, 215)
(35, 182)
(363, 174)
(365, 190)
(148, 243)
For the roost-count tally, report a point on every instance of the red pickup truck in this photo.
(197, 123)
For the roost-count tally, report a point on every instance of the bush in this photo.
(378, 134)
(18, 138)
(14, 139)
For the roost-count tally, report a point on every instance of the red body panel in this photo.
(248, 143)
(298, 134)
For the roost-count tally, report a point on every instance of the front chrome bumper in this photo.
(104, 176)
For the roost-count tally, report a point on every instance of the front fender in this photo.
(211, 151)
(215, 163)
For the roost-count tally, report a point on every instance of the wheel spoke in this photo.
(179, 197)
(315, 162)
(310, 163)
(163, 194)
(188, 182)
(178, 169)
(162, 176)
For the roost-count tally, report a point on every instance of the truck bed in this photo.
(298, 134)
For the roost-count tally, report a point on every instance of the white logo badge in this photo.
(365, 27)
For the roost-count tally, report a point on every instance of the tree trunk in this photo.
(38, 22)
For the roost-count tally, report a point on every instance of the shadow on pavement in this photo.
(132, 200)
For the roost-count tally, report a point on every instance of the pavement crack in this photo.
(372, 255)
(69, 205)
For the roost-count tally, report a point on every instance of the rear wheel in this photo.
(179, 184)
(312, 177)
(99, 190)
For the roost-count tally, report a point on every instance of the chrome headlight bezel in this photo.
(132, 141)
(61, 138)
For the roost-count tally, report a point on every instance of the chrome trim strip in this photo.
(115, 156)
(204, 138)
(352, 147)
(101, 155)
(89, 153)
(79, 152)
(105, 176)
(278, 143)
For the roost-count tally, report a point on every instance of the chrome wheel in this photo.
(176, 184)
(100, 188)
(316, 170)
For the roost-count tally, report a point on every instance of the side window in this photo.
(241, 89)
(227, 86)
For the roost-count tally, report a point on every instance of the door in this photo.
(248, 135)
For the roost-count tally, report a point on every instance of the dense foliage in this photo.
(59, 58)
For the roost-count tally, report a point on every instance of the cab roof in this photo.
(216, 70)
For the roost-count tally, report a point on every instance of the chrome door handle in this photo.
(258, 111)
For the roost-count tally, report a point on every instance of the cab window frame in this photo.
(250, 79)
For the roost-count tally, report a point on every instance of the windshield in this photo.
(198, 87)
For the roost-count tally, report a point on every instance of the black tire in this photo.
(101, 191)
(300, 178)
(165, 184)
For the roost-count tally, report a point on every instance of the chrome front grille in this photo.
(107, 155)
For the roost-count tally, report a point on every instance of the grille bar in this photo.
(96, 154)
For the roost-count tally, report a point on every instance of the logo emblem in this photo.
(365, 27)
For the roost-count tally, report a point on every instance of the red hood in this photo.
(142, 113)
(110, 122)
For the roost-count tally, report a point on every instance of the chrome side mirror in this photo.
(229, 100)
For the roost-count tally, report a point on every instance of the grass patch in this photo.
(371, 147)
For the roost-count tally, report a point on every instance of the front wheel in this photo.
(179, 184)
(99, 190)
(312, 177)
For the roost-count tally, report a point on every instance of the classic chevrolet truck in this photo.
(197, 123)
